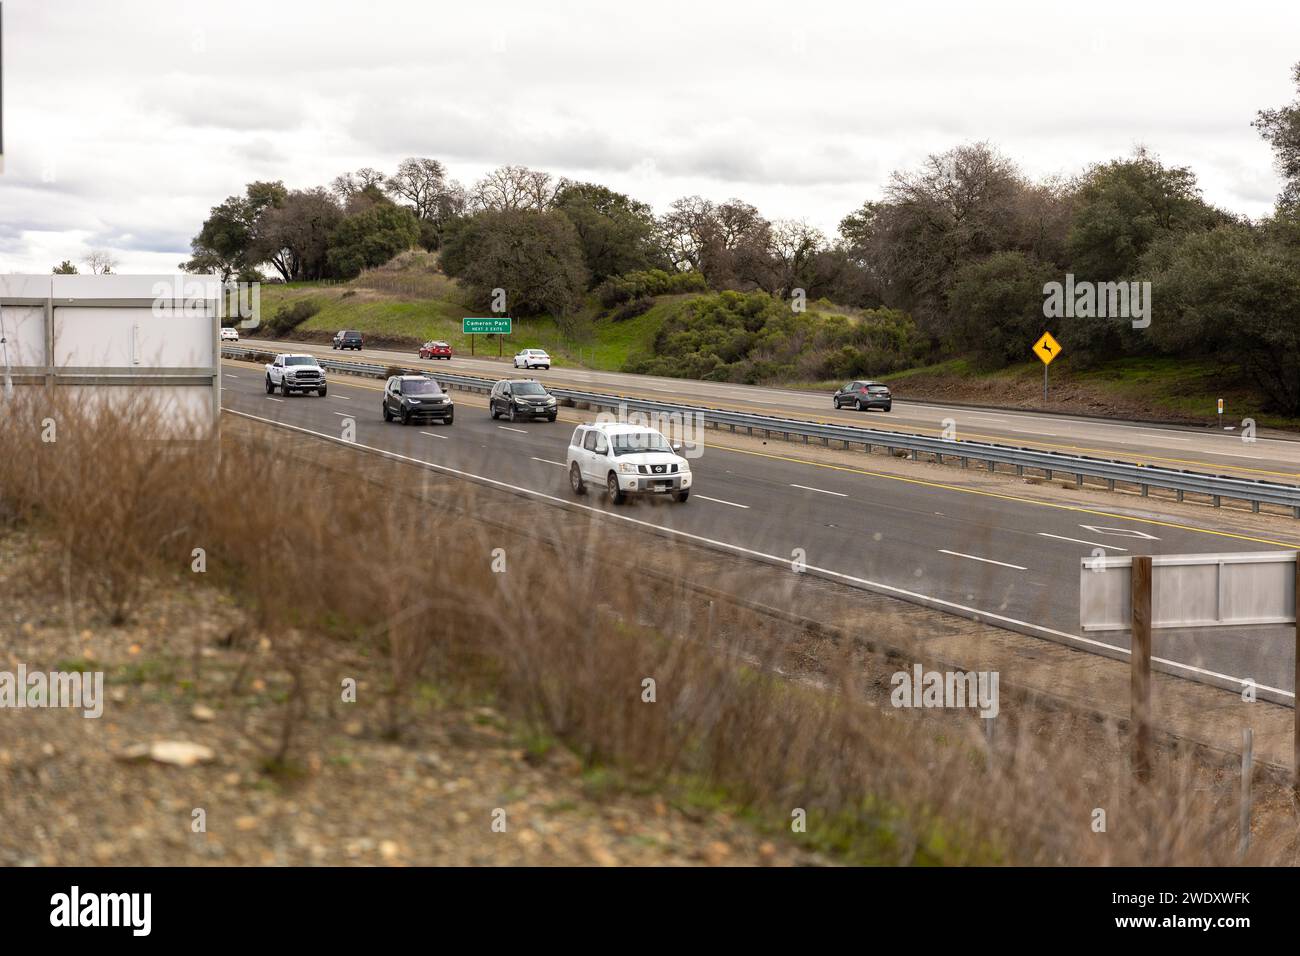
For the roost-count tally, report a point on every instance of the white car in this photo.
(626, 460)
(532, 358)
(229, 334)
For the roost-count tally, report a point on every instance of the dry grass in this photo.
(329, 566)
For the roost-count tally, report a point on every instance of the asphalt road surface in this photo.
(1015, 561)
(1270, 457)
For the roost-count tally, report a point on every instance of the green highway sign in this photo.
(495, 326)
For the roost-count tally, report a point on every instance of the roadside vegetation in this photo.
(948, 267)
(344, 567)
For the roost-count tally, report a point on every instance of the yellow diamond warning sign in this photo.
(1047, 348)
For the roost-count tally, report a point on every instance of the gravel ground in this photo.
(70, 794)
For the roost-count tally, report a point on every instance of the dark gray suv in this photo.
(864, 395)
(413, 398)
(516, 398)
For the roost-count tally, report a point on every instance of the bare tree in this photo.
(100, 262)
(421, 182)
(793, 245)
(684, 229)
(515, 187)
(349, 185)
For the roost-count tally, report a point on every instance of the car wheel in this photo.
(546, 368)
(681, 496)
(616, 494)
(859, 406)
(406, 417)
(492, 410)
(449, 419)
(284, 388)
(551, 418)
(889, 407)
(510, 415)
(321, 391)
(836, 402)
(270, 386)
(575, 480)
(388, 416)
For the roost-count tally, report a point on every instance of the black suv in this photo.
(347, 340)
(517, 398)
(864, 395)
(410, 398)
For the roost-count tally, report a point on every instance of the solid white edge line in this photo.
(1094, 544)
(922, 599)
(718, 500)
(270, 399)
(547, 461)
(430, 434)
(973, 557)
(509, 429)
(820, 491)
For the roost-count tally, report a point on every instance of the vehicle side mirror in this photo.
(677, 447)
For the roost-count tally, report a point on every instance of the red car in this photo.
(435, 350)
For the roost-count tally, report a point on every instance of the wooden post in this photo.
(1140, 671)
(1247, 773)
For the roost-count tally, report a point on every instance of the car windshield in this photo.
(528, 388)
(300, 360)
(632, 443)
(877, 388)
(422, 386)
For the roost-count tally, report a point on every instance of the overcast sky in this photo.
(124, 122)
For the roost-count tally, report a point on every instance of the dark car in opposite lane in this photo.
(864, 395)
(345, 339)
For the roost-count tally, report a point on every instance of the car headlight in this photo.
(626, 469)
(683, 467)
(550, 399)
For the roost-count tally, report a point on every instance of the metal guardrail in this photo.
(1144, 477)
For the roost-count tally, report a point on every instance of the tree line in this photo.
(964, 244)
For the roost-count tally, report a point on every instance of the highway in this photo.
(1014, 561)
(1272, 456)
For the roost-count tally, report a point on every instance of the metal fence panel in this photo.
(1191, 590)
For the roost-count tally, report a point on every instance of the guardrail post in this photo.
(1140, 668)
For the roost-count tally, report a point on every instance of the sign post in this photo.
(1220, 413)
(1047, 349)
(497, 325)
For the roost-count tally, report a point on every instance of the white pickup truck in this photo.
(295, 373)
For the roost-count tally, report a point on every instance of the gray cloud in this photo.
(149, 112)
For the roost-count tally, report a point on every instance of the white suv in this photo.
(532, 358)
(626, 460)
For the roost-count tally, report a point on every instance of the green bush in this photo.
(638, 306)
(291, 315)
(755, 338)
(636, 285)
